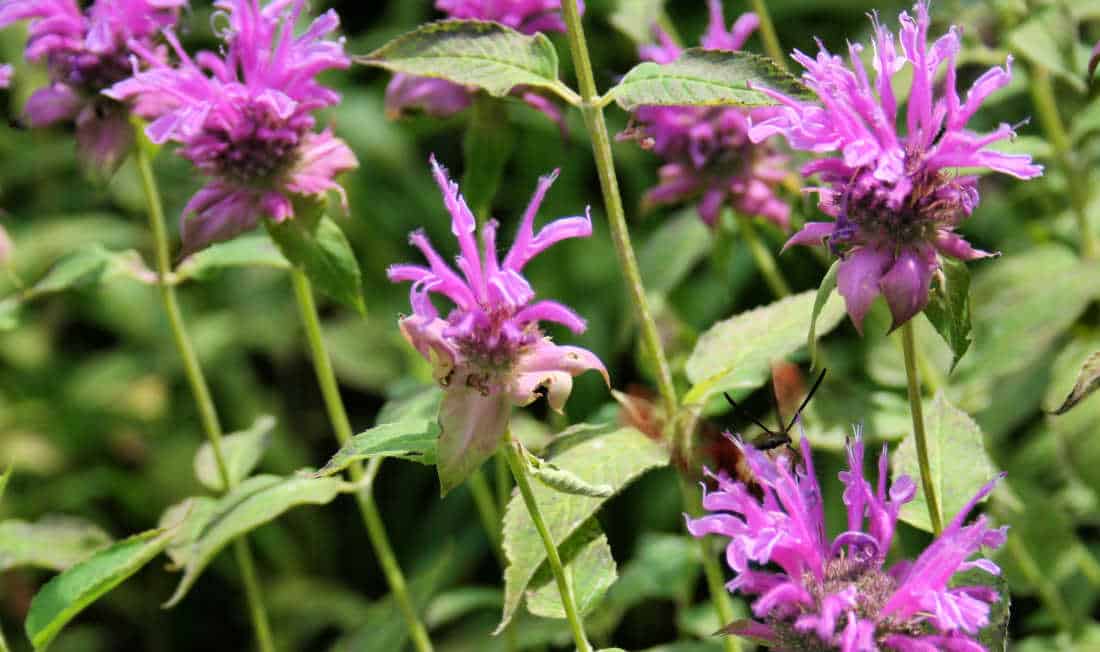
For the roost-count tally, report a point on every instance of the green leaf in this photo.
(949, 308)
(488, 55)
(471, 427)
(1088, 380)
(420, 403)
(671, 252)
(412, 439)
(320, 248)
(824, 291)
(737, 353)
(706, 78)
(636, 18)
(451, 606)
(242, 251)
(605, 455)
(486, 148)
(254, 502)
(958, 463)
(588, 563)
(242, 451)
(1045, 39)
(190, 517)
(4, 479)
(66, 595)
(54, 542)
(561, 480)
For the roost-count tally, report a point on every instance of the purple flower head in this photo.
(440, 98)
(896, 197)
(491, 340)
(816, 594)
(244, 117)
(707, 152)
(87, 52)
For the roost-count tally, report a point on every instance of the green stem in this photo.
(487, 511)
(915, 407)
(609, 184)
(341, 426)
(503, 481)
(716, 584)
(767, 31)
(199, 389)
(519, 471)
(1046, 107)
(765, 262)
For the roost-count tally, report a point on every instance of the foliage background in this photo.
(97, 418)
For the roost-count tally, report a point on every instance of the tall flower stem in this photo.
(208, 414)
(1046, 106)
(767, 32)
(915, 407)
(609, 184)
(765, 262)
(712, 571)
(565, 587)
(341, 427)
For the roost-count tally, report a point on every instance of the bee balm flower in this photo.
(245, 117)
(816, 594)
(895, 196)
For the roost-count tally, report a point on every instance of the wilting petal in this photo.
(472, 426)
(906, 285)
(858, 280)
(551, 368)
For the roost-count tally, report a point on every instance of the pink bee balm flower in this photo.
(87, 52)
(245, 117)
(707, 150)
(441, 98)
(816, 594)
(896, 198)
(489, 352)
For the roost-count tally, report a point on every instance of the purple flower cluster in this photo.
(87, 52)
(896, 199)
(816, 594)
(707, 151)
(244, 117)
(441, 98)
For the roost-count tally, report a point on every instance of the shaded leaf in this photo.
(320, 248)
(471, 426)
(54, 542)
(242, 452)
(191, 516)
(605, 455)
(4, 479)
(488, 55)
(450, 606)
(824, 291)
(737, 353)
(1088, 379)
(66, 595)
(486, 148)
(706, 78)
(413, 439)
(242, 251)
(949, 307)
(677, 245)
(1041, 39)
(420, 403)
(588, 563)
(958, 463)
(636, 18)
(256, 501)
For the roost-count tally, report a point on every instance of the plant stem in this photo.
(767, 32)
(609, 184)
(519, 471)
(917, 411)
(1046, 106)
(487, 509)
(716, 584)
(765, 262)
(341, 426)
(208, 414)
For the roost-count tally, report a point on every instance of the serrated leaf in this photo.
(636, 18)
(958, 463)
(824, 291)
(1088, 380)
(242, 251)
(949, 308)
(66, 595)
(561, 480)
(701, 77)
(413, 439)
(606, 455)
(53, 542)
(488, 55)
(471, 428)
(254, 502)
(320, 248)
(588, 563)
(242, 451)
(737, 353)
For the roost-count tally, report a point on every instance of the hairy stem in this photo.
(916, 409)
(341, 427)
(519, 471)
(765, 262)
(609, 184)
(712, 571)
(767, 32)
(208, 414)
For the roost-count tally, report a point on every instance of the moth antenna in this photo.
(806, 400)
(744, 413)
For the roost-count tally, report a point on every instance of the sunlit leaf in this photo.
(413, 439)
(590, 567)
(242, 251)
(53, 542)
(241, 451)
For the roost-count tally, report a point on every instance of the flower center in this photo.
(489, 343)
(90, 73)
(254, 151)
